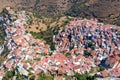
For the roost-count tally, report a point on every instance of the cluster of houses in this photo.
(102, 41)
(24, 50)
(32, 55)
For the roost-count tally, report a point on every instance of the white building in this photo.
(1, 49)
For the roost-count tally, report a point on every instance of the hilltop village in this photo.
(81, 46)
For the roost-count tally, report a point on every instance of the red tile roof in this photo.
(104, 73)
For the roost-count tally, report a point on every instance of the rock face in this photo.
(106, 10)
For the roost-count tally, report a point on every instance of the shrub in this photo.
(86, 53)
(101, 69)
(42, 76)
(85, 76)
(90, 44)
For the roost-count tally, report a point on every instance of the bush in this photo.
(90, 44)
(67, 54)
(42, 76)
(85, 76)
(1, 60)
(2, 35)
(32, 77)
(101, 69)
(86, 53)
(37, 27)
(47, 36)
(79, 10)
(9, 75)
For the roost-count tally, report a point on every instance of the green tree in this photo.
(47, 36)
(2, 34)
(90, 44)
(79, 76)
(42, 76)
(67, 54)
(85, 76)
(101, 68)
(9, 75)
(86, 53)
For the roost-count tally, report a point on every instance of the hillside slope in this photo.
(42, 6)
(105, 10)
